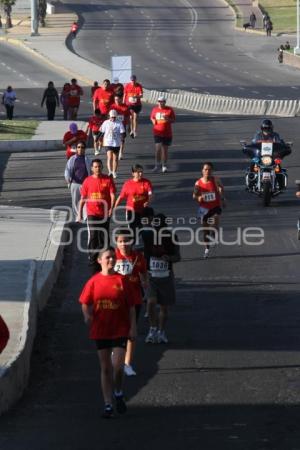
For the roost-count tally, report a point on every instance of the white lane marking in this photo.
(3, 64)
(268, 80)
(241, 88)
(270, 95)
(255, 92)
(206, 92)
(294, 87)
(174, 81)
(207, 76)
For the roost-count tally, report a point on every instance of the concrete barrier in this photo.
(217, 104)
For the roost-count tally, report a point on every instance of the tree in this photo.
(7, 7)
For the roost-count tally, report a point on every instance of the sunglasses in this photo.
(80, 146)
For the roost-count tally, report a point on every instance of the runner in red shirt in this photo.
(75, 93)
(131, 264)
(71, 138)
(123, 115)
(209, 194)
(94, 88)
(93, 127)
(4, 334)
(108, 309)
(98, 193)
(162, 117)
(133, 92)
(138, 192)
(103, 97)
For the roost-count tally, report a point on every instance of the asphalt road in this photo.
(230, 376)
(187, 44)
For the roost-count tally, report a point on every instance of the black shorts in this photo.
(136, 108)
(115, 150)
(111, 343)
(137, 312)
(162, 140)
(212, 212)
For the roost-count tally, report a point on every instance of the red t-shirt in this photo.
(132, 266)
(103, 99)
(131, 92)
(111, 297)
(123, 112)
(95, 123)
(162, 126)
(74, 95)
(71, 148)
(4, 334)
(137, 193)
(97, 192)
(210, 192)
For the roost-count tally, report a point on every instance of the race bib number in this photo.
(123, 267)
(132, 99)
(73, 93)
(266, 148)
(209, 197)
(120, 117)
(160, 116)
(159, 268)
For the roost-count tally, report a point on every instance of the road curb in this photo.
(12, 146)
(15, 362)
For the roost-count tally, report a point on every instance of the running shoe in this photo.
(108, 412)
(132, 134)
(120, 404)
(128, 370)
(161, 337)
(206, 253)
(114, 174)
(97, 152)
(164, 169)
(155, 169)
(151, 337)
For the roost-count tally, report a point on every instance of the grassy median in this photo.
(17, 129)
(283, 14)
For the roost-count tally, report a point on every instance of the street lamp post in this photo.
(297, 48)
(34, 19)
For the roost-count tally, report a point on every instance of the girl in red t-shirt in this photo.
(108, 309)
(131, 264)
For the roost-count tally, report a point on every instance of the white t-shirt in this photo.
(112, 133)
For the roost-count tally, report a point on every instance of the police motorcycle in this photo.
(266, 177)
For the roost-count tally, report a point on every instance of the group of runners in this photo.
(124, 276)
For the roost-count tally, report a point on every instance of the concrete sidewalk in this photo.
(245, 8)
(30, 261)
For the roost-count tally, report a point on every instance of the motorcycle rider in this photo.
(267, 134)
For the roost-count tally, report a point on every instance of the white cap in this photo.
(161, 98)
(113, 113)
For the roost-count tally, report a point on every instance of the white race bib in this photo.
(209, 197)
(120, 118)
(123, 267)
(266, 148)
(160, 116)
(132, 99)
(159, 268)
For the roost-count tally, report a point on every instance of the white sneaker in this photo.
(151, 336)
(97, 152)
(114, 174)
(164, 169)
(128, 370)
(155, 169)
(161, 337)
(206, 253)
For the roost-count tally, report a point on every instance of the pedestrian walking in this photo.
(161, 250)
(269, 27)
(71, 138)
(162, 117)
(265, 20)
(108, 309)
(4, 334)
(8, 100)
(209, 194)
(137, 192)
(64, 100)
(98, 193)
(252, 20)
(133, 93)
(131, 264)
(287, 46)
(50, 96)
(78, 168)
(112, 134)
(74, 99)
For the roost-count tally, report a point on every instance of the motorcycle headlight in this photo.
(266, 160)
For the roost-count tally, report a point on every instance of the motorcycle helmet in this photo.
(267, 125)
